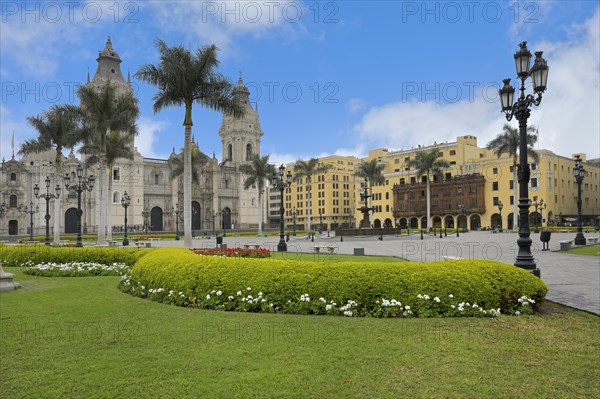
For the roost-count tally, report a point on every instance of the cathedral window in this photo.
(13, 176)
(116, 197)
(116, 174)
(13, 201)
(248, 152)
(230, 152)
(156, 179)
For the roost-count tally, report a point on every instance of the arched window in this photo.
(230, 152)
(253, 201)
(116, 198)
(13, 176)
(248, 152)
(13, 201)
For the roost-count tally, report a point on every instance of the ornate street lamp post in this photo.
(31, 210)
(365, 223)
(543, 206)
(500, 206)
(579, 172)
(520, 110)
(465, 211)
(280, 184)
(537, 204)
(125, 202)
(48, 196)
(81, 186)
(177, 211)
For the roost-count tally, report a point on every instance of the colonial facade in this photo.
(219, 200)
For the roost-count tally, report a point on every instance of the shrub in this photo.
(353, 287)
(20, 254)
(234, 252)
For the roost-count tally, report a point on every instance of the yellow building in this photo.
(332, 197)
(552, 181)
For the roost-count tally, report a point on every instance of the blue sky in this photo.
(330, 77)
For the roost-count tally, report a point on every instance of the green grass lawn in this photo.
(591, 250)
(82, 338)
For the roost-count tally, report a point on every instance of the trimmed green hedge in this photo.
(20, 254)
(489, 284)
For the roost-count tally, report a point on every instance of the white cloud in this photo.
(355, 104)
(567, 117)
(147, 138)
(220, 22)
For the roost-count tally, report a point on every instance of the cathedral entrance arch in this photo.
(156, 219)
(196, 216)
(71, 220)
(13, 227)
(226, 219)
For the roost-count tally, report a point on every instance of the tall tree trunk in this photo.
(308, 205)
(515, 209)
(109, 205)
(57, 201)
(187, 184)
(260, 213)
(428, 206)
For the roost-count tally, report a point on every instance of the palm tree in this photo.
(57, 129)
(257, 171)
(117, 146)
(308, 169)
(103, 110)
(507, 142)
(198, 161)
(426, 163)
(184, 78)
(373, 171)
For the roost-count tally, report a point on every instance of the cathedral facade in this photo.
(219, 201)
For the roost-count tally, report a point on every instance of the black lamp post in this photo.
(48, 196)
(125, 202)
(500, 206)
(176, 211)
(543, 206)
(579, 172)
(320, 219)
(146, 216)
(81, 186)
(31, 210)
(537, 204)
(294, 221)
(280, 184)
(520, 110)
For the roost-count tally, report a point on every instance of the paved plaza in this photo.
(574, 280)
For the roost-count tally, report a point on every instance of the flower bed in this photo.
(234, 252)
(75, 269)
(461, 288)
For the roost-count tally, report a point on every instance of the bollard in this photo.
(341, 238)
(421, 234)
(440, 232)
(312, 237)
(287, 237)
(381, 237)
(457, 233)
(445, 232)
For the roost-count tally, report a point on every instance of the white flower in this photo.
(517, 313)
(322, 300)
(451, 296)
(239, 293)
(407, 307)
(260, 294)
(248, 289)
(348, 313)
(426, 297)
(230, 298)
(452, 306)
(328, 307)
(420, 296)
(436, 299)
(208, 296)
(219, 293)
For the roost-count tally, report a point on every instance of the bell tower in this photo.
(240, 137)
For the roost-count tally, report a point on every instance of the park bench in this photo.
(592, 240)
(565, 245)
(154, 238)
(255, 246)
(330, 248)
